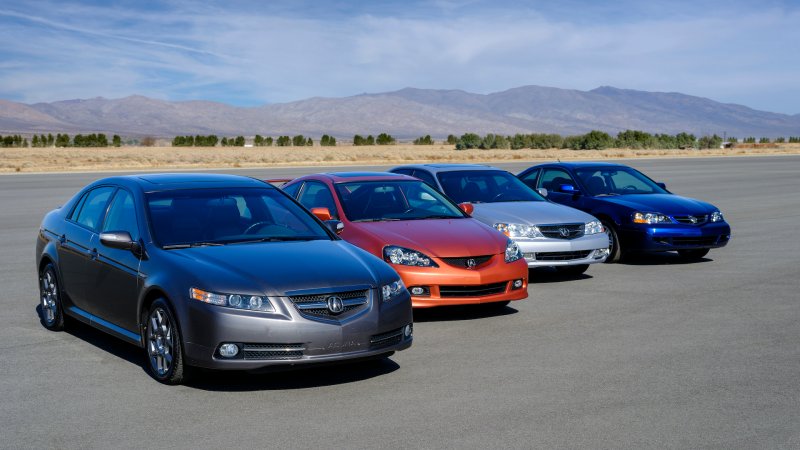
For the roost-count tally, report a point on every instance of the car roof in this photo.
(341, 177)
(153, 182)
(436, 168)
(581, 164)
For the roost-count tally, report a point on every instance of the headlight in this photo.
(518, 230)
(392, 290)
(407, 257)
(236, 301)
(594, 227)
(513, 252)
(716, 216)
(639, 217)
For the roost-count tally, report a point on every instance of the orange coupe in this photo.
(443, 256)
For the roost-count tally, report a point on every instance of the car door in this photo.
(78, 244)
(552, 179)
(114, 287)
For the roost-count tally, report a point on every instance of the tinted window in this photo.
(122, 215)
(617, 181)
(317, 195)
(394, 200)
(425, 176)
(403, 171)
(93, 207)
(552, 179)
(292, 190)
(486, 186)
(229, 215)
(530, 178)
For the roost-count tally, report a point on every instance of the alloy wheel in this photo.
(160, 342)
(49, 297)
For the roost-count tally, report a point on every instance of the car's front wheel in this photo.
(614, 247)
(50, 299)
(693, 254)
(576, 269)
(163, 344)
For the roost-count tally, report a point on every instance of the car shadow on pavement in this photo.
(466, 312)
(541, 275)
(659, 259)
(286, 379)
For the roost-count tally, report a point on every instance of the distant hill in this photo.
(407, 113)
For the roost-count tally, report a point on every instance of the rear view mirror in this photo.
(467, 207)
(322, 214)
(568, 189)
(117, 239)
(542, 192)
(335, 225)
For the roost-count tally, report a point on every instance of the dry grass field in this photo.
(14, 160)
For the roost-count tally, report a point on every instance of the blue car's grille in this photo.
(562, 231)
(692, 220)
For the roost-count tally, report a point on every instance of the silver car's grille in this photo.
(464, 262)
(273, 351)
(317, 305)
(691, 220)
(562, 231)
(562, 256)
(386, 339)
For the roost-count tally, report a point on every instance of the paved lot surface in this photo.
(649, 354)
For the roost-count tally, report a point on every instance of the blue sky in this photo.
(255, 52)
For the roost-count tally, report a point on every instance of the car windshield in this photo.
(194, 217)
(373, 201)
(486, 186)
(600, 181)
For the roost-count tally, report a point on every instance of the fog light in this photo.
(529, 256)
(517, 284)
(420, 290)
(600, 253)
(228, 350)
(407, 330)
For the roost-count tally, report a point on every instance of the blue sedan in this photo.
(639, 214)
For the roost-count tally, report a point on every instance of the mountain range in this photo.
(407, 113)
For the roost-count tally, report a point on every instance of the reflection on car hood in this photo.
(274, 268)
(662, 203)
(439, 237)
(530, 213)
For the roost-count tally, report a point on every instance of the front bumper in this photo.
(668, 237)
(588, 249)
(287, 337)
(447, 285)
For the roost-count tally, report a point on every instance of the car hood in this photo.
(529, 213)
(669, 204)
(438, 237)
(274, 268)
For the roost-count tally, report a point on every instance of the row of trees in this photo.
(61, 140)
(593, 140)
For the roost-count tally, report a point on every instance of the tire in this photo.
(576, 269)
(693, 254)
(614, 248)
(51, 309)
(163, 345)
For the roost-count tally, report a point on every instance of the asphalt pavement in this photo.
(651, 353)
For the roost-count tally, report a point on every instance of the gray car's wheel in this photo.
(163, 344)
(693, 254)
(52, 314)
(576, 269)
(614, 248)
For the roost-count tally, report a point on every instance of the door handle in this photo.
(62, 239)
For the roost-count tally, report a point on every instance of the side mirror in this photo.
(542, 192)
(322, 213)
(121, 240)
(467, 207)
(568, 189)
(662, 185)
(334, 225)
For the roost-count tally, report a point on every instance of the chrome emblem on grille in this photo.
(471, 263)
(693, 219)
(564, 232)
(335, 304)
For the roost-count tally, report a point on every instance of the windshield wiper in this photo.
(277, 239)
(192, 244)
(440, 216)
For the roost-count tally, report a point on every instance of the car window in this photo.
(93, 207)
(425, 176)
(403, 171)
(366, 201)
(617, 181)
(122, 215)
(486, 186)
(317, 195)
(530, 178)
(229, 215)
(552, 179)
(292, 189)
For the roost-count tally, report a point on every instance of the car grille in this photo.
(462, 262)
(562, 231)
(317, 305)
(695, 241)
(273, 351)
(698, 220)
(386, 339)
(472, 291)
(562, 256)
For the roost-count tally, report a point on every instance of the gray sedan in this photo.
(548, 234)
